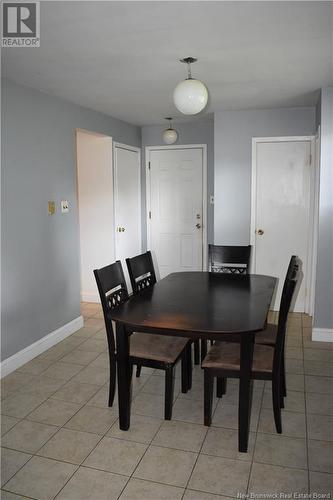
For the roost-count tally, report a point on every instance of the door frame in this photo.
(203, 148)
(310, 278)
(115, 190)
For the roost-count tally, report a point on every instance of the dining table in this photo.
(196, 305)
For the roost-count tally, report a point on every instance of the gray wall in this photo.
(323, 317)
(196, 132)
(233, 132)
(40, 253)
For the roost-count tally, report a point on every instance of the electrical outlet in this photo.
(64, 207)
(51, 207)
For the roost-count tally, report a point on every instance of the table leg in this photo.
(245, 390)
(124, 377)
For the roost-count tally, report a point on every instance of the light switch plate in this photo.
(64, 206)
(51, 207)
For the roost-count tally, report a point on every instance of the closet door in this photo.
(127, 197)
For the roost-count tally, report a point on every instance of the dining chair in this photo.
(229, 259)
(265, 337)
(269, 334)
(154, 351)
(142, 275)
(223, 359)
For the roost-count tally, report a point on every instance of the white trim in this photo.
(314, 222)
(134, 149)
(203, 147)
(322, 334)
(313, 213)
(126, 146)
(28, 353)
(90, 297)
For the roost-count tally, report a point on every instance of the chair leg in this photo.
(208, 397)
(277, 403)
(203, 349)
(189, 367)
(113, 378)
(138, 370)
(184, 369)
(221, 386)
(196, 345)
(168, 398)
(283, 378)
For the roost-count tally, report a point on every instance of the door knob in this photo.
(198, 226)
(260, 232)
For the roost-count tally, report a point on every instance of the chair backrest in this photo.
(229, 259)
(141, 272)
(112, 290)
(293, 261)
(288, 292)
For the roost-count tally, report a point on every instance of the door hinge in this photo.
(149, 214)
(149, 165)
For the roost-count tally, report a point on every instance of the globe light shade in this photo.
(170, 136)
(190, 96)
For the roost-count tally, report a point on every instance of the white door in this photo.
(127, 195)
(281, 205)
(176, 209)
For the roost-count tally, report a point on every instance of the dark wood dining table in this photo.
(196, 305)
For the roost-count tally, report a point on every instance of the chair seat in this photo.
(267, 336)
(156, 347)
(226, 356)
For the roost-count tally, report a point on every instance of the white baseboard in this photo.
(322, 334)
(28, 353)
(90, 297)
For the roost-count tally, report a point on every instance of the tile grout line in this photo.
(255, 438)
(144, 454)
(306, 418)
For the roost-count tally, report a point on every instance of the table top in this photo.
(200, 302)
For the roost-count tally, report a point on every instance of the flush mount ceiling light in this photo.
(170, 135)
(191, 95)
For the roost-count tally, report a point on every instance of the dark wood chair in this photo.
(269, 335)
(142, 275)
(229, 259)
(223, 359)
(265, 337)
(155, 351)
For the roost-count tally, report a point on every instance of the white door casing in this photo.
(282, 193)
(176, 207)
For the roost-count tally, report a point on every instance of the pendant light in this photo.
(191, 95)
(170, 135)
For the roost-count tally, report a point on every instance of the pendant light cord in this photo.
(189, 74)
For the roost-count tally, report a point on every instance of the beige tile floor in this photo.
(60, 440)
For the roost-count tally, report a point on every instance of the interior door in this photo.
(127, 204)
(176, 209)
(283, 173)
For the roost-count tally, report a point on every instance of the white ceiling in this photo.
(121, 58)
